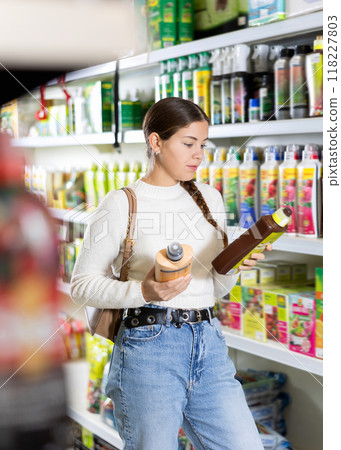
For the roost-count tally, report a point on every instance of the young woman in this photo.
(176, 372)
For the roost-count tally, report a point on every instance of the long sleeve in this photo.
(222, 283)
(93, 283)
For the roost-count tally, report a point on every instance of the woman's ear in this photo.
(154, 142)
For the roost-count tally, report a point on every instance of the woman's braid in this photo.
(197, 196)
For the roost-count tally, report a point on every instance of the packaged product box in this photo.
(276, 307)
(185, 21)
(299, 7)
(98, 106)
(302, 323)
(265, 11)
(230, 310)
(266, 275)
(126, 114)
(162, 23)
(212, 17)
(319, 283)
(282, 270)
(253, 318)
(319, 313)
(299, 272)
(248, 277)
(9, 119)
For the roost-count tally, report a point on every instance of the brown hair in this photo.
(165, 118)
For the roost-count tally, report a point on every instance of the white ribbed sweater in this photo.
(164, 215)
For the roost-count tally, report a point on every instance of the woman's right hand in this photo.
(153, 291)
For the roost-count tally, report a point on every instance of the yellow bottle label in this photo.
(202, 83)
(203, 175)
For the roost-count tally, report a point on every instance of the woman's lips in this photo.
(194, 168)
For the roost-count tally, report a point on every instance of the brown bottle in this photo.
(265, 231)
(173, 262)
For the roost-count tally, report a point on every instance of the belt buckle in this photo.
(199, 315)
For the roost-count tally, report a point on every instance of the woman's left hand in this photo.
(250, 263)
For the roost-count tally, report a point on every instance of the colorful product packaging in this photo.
(185, 21)
(282, 270)
(302, 323)
(230, 312)
(299, 272)
(162, 21)
(265, 275)
(99, 106)
(248, 196)
(9, 120)
(248, 277)
(319, 313)
(288, 179)
(261, 12)
(276, 309)
(230, 194)
(253, 318)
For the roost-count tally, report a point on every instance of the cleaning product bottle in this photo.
(260, 67)
(173, 262)
(249, 188)
(113, 168)
(216, 87)
(216, 169)
(265, 231)
(282, 82)
(187, 77)
(231, 185)
(314, 74)
(288, 185)
(279, 152)
(101, 182)
(227, 56)
(269, 182)
(158, 81)
(167, 78)
(203, 171)
(89, 185)
(298, 85)
(201, 83)
(308, 185)
(266, 90)
(240, 84)
(177, 76)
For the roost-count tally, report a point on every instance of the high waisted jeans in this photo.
(162, 378)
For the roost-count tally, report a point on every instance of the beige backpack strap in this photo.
(129, 242)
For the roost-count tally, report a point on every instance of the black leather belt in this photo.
(136, 317)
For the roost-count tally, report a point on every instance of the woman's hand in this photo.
(153, 291)
(250, 263)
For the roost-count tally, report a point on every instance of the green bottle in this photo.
(89, 185)
(177, 76)
(202, 82)
(167, 78)
(187, 77)
(158, 81)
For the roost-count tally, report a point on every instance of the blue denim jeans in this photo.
(162, 378)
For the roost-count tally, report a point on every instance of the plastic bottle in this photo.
(216, 169)
(308, 186)
(231, 185)
(187, 77)
(265, 231)
(266, 90)
(227, 56)
(282, 81)
(314, 74)
(202, 82)
(269, 182)
(203, 171)
(254, 110)
(298, 86)
(249, 188)
(177, 76)
(167, 78)
(288, 184)
(158, 81)
(216, 87)
(240, 84)
(173, 262)
(260, 67)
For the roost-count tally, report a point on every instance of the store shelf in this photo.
(59, 141)
(77, 376)
(275, 352)
(78, 214)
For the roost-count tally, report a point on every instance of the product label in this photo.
(239, 99)
(216, 179)
(230, 313)
(302, 325)
(187, 85)
(217, 110)
(305, 202)
(316, 93)
(230, 195)
(288, 194)
(253, 314)
(248, 192)
(186, 21)
(282, 84)
(266, 103)
(202, 83)
(167, 86)
(269, 179)
(226, 96)
(203, 175)
(299, 91)
(319, 329)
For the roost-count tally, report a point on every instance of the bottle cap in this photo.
(318, 43)
(233, 153)
(270, 154)
(240, 58)
(260, 58)
(282, 216)
(216, 61)
(287, 52)
(175, 251)
(227, 57)
(302, 49)
(250, 154)
(275, 51)
(254, 103)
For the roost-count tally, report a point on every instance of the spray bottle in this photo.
(309, 176)
(314, 74)
(240, 84)
(158, 81)
(249, 187)
(266, 90)
(261, 72)
(167, 78)
(231, 185)
(288, 184)
(177, 76)
(282, 79)
(187, 77)
(201, 83)
(216, 87)
(216, 169)
(269, 180)
(227, 57)
(298, 86)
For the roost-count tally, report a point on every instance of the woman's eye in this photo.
(188, 145)
(203, 146)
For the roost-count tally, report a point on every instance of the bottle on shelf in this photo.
(216, 169)
(177, 76)
(158, 81)
(249, 187)
(227, 55)
(308, 187)
(216, 87)
(167, 78)
(202, 76)
(288, 184)
(314, 74)
(187, 77)
(240, 84)
(282, 81)
(203, 171)
(254, 110)
(266, 90)
(231, 185)
(298, 86)
(269, 182)
(260, 68)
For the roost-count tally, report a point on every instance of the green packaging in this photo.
(187, 77)
(127, 114)
(253, 320)
(99, 106)
(211, 18)
(185, 21)
(299, 272)
(319, 283)
(266, 275)
(319, 328)
(282, 268)
(162, 21)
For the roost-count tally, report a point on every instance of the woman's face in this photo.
(182, 153)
